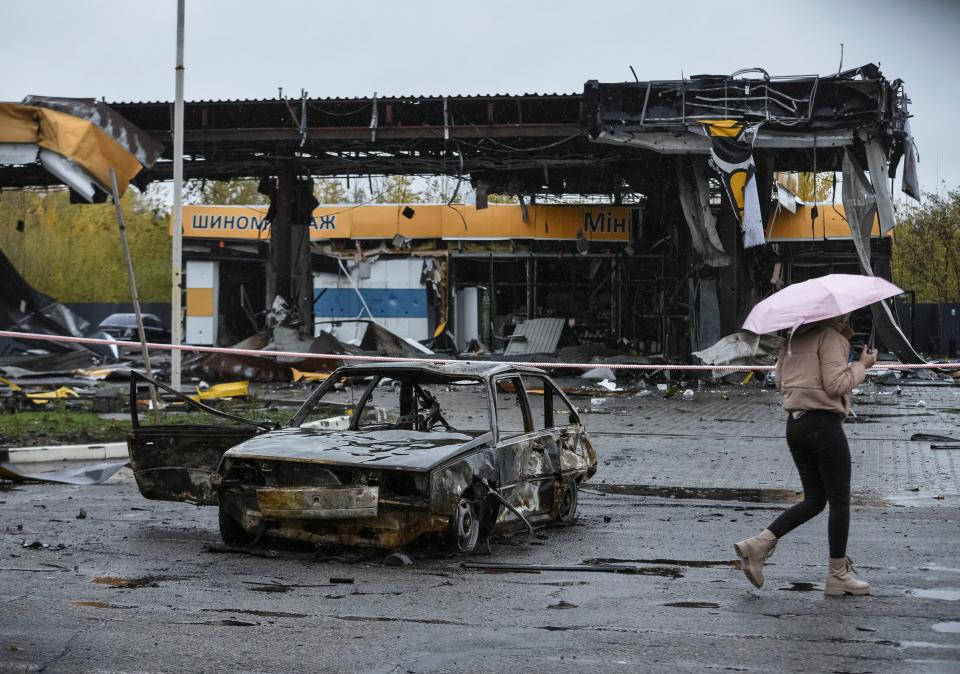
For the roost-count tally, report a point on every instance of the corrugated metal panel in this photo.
(537, 335)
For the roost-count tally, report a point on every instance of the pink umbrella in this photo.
(816, 299)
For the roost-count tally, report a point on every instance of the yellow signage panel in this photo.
(596, 223)
(829, 224)
(427, 221)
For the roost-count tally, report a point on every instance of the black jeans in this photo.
(820, 451)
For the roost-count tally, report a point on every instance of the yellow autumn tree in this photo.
(72, 251)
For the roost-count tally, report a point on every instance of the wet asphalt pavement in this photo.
(110, 582)
(140, 586)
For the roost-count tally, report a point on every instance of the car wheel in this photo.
(464, 527)
(231, 532)
(569, 497)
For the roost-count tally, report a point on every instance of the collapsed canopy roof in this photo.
(77, 140)
(525, 143)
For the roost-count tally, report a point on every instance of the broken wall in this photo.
(387, 289)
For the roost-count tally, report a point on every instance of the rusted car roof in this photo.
(383, 450)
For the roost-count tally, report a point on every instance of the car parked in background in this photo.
(124, 327)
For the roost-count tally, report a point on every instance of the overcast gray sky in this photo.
(123, 50)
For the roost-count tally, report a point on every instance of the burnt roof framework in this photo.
(530, 143)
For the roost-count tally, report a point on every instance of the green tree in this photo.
(358, 195)
(440, 189)
(926, 248)
(330, 191)
(395, 189)
(815, 186)
(239, 192)
(72, 251)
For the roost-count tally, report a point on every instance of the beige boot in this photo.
(842, 579)
(753, 552)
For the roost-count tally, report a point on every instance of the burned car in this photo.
(383, 454)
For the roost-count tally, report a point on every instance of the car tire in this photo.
(569, 499)
(232, 533)
(464, 527)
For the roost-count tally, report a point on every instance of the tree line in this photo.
(926, 248)
(72, 251)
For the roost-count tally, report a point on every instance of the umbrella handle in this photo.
(790, 337)
(873, 337)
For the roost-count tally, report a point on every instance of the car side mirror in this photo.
(572, 419)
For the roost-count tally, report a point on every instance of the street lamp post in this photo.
(176, 319)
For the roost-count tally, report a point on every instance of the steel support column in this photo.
(279, 264)
(289, 271)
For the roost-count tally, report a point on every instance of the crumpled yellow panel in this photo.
(80, 140)
(61, 393)
(236, 389)
(299, 375)
(724, 128)
(7, 382)
(94, 373)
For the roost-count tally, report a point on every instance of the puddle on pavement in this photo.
(922, 499)
(800, 587)
(271, 588)
(706, 493)
(937, 567)
(945, 593)
(692, 604)
(133, 583)
(951, 627)
(665, 571)
(390, 619)
(925, 644)
(692, 563)
(256, 612)
(556, 583)
(98, 604)
(877, 642)
(932, 437)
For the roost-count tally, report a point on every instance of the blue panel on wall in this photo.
(383, 302)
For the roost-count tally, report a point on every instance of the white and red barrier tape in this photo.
(389, 359)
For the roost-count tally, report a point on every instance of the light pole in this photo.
(176, 319)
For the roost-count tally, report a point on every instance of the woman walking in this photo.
(816, 381)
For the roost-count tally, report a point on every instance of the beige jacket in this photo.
(813, 374)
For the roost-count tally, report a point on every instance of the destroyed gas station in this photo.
(482, 388)
(648, 217)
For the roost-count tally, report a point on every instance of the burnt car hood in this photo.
(388, 449)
